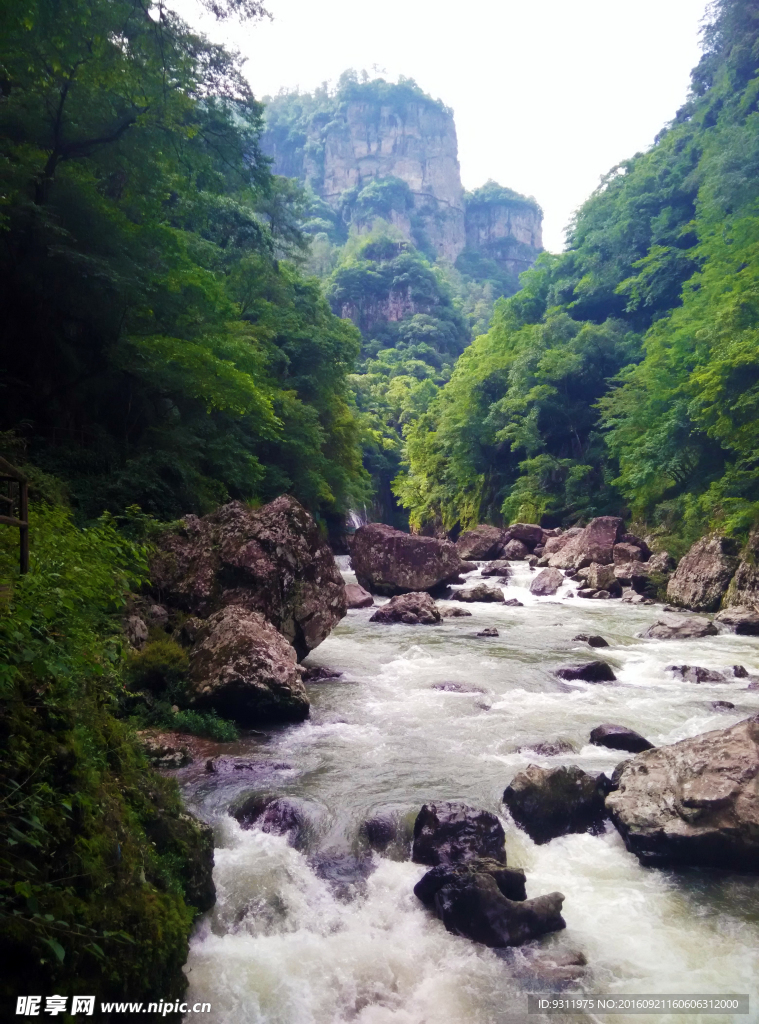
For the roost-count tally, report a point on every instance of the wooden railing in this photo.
(18, 503)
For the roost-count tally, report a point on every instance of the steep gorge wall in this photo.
(397, 133)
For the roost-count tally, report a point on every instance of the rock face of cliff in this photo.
(375, 149)
(415, 143)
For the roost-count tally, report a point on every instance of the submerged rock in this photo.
(271, 560)
(697, 674)
(546, 583)
(279, 815)
(551, 748)
(453, 687)
(345, 872)
(550, 802)
(243, 668)
(722, 705)
(619, 737)
(320, 673)
(692, 627)
(693, 802)
(389, 562)
(456, 613)
(450, 832)
(380, 831)
(704, 574)
(593, 672)
(413, 609)
(357, 597)
(481, 592)
(482, 542)
(489, 631)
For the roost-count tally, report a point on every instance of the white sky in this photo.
(548, 95)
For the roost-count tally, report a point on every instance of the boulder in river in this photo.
(743, 621)
(529, 533)
(271, 560)
(357, 597)
(624, 553)
(456, 613)
(602, 577)
(591, 639)
(693, 802)
(704, 574)
(550, 748)
(500, 567)
(488, 631)
(722, 705)
(595, 543)
(486, 902)
(550, 802)
(389, 562)
(481, 592)
(448, 832)
(680, 628)
(546, 583)
(243, 668)
(592, 672)
(558, 541)
(619, 737)
(413, 609)
(697, 674)
(278, 815)
(516, 550)
(482, 542)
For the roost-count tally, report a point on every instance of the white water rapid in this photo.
(284, 946)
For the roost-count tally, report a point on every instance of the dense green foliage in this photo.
(413, 331)
(623, 377)
(96, 870)
(155, 348)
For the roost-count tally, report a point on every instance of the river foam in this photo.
(283, 946)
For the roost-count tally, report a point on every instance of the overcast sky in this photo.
(548, 95)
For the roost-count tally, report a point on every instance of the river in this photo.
(286, 946)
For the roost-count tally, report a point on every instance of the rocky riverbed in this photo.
(317, 921)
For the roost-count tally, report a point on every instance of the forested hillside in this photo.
(623, 377)
(160, 346)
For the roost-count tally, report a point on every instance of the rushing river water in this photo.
(285, 945)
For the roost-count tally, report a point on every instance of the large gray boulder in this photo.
(482, 592)
(546, 583)
(693, 802)
(529, 533)
(482, 542)
(243, 668)
(593, 544)
(271, 560)
(357, 597)
(550, 802)
(743, 621)
(743, 591)
(388, 561)
(558, 541)
(516, 550)
(704, 574)
(680, 628)
(413, 609)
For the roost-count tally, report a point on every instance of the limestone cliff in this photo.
(378, 149)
